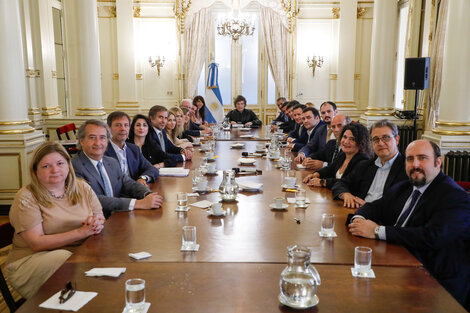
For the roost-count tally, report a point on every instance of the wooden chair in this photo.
(6, 238)
(65, 130)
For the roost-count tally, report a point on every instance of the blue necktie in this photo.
(107, 186)
(414, 198)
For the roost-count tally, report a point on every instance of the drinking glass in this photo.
(135, 295)
(189, 237)
(197, 175)
(362, 260)
(300, 197)
(327, 224)
(182, 200)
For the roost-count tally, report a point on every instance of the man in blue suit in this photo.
(115, 190)
(429, 215)
(129, 156)
(159, 116)
(298, 137)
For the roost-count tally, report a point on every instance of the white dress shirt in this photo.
(377, 187)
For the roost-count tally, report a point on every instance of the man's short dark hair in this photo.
(313, 110)
(299, 106)
(290, 105)
(333, 105)
(155, 109)
(280, 98)
(437, 151)
(116, 115)
(238, 99)
(385, 123)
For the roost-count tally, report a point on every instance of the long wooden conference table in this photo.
(241, 255)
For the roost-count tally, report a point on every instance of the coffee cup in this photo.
(278, 202)
(216, 208)
(211, 167)
(205, 147)
(290, 182)
(201, 184)
(260, 146)
(197, 140)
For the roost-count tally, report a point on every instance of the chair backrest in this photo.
(6, 238)
(65, 130)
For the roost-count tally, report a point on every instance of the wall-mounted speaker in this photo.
(417, 73)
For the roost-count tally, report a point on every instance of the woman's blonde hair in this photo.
(179, 128)
(185, 124)
(38, 190)
(171, 133)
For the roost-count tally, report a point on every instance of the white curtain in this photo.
(437, 53)
(276, 38)
(196, 36)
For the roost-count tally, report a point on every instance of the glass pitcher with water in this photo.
(274, 151)
(299, 280)
(226, 124)
(228, 188)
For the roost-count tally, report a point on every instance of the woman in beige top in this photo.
(172, 132)
(55, 212)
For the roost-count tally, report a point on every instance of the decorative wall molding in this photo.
(335, 12)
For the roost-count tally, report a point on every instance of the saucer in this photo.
(274, 207)
(327, 235)
(309, 304)
(246, 136)
(210, 212)
(237, 145)
(303, 206)
(246, 161)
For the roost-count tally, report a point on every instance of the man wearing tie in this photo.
(159, 116)
(115, 190)
(132, 162)
(429, 215)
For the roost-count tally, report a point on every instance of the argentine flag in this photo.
(214, 104)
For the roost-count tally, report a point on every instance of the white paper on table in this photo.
(192, 194)
(174, 171)
(140, 255)
(106, 271)
(75, 303)
(202, 204)
(237, 125)
(193, 248)
(144, 309)
(369, 274)
(291, 200)
(250, 185)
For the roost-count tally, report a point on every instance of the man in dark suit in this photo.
(281, 118)
(159, 116)
(429, 215)
(290, 124)
(115, 190)
(323, 135)
(371, 178)
(298, 137)
(332, 149)
(132, 162)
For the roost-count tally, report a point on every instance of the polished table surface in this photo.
(251, 288)
(241, 255)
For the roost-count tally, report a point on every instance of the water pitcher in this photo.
(228, 188)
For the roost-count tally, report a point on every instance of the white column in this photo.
(17, 138)
(346, 54)
(126, 56)
(84, 57)
(453, 127)
(13, 101)
(382, 61)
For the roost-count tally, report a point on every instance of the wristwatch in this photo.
(376, 232)
(144, 177)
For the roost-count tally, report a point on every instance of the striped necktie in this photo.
(107, 185)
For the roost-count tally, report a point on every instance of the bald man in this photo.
(429, 215)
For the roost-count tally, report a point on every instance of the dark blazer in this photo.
(359, 181)
(288, 126)
(329, 173)
(437, 232)
(326, 153)
(244, 117)
(280, 118)
(124, 188)
(300, 139)
(317, 139)
(170, 148)
(136, 162)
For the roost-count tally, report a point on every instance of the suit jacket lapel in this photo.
(131, 161)
(397, 164)
(92, 169)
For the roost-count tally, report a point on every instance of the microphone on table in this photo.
(246, 171)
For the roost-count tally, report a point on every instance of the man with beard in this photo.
(298, 137)
(429, 215)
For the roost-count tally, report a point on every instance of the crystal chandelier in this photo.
(235, 28)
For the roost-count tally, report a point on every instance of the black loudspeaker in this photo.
(417, 73)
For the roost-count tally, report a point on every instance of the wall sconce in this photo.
(158, 62)
(316, 61)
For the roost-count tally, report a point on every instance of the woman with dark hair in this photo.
(140, 134)
(242, 115)
(355, 147)
(52, 215)
(200, 112)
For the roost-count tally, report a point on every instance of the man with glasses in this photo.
(371, 178)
